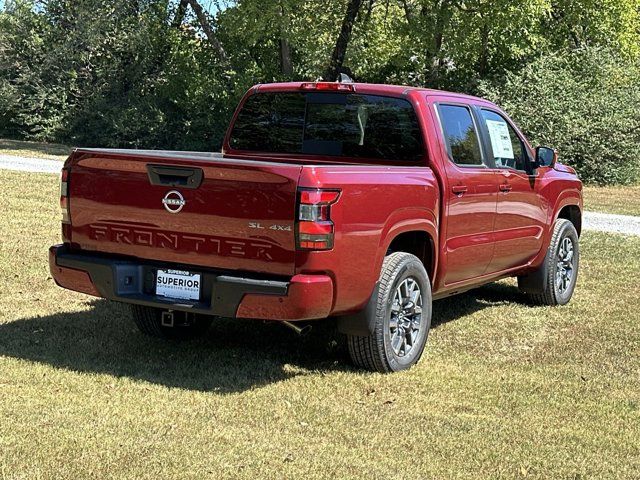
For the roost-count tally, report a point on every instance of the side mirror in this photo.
(545, 157)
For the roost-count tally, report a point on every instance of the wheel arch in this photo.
(419, 239)
(572, 213)
(416, 242)
(569, 206)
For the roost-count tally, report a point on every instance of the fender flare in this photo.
(565, 199)
(360, 322)
(428, 225)
(568, 198)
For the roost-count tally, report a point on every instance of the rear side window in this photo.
(508, 150)
(335, 124)
(460, 134)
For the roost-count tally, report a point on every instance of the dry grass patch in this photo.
(504, 390)
(21, 148)
(621, 200)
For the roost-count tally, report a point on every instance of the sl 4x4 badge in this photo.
(280, 228)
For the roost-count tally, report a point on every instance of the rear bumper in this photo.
(303, 297)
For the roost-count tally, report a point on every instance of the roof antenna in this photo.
(344, 78)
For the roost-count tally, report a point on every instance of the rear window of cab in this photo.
(331, 124)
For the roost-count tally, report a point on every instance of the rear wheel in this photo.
(555, 280)
(401, 319)
(157, 322)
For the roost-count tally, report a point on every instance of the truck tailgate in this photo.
(192, 209)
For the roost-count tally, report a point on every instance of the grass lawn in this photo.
(51, 151)
(622, 200)
(504, 390)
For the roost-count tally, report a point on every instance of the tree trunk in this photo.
(483, 59)
(435, 59)
(340, 50)
(441, 15)
(286, 65)
(180, 13)
(560, 18)
(208, 30)
(408, 14)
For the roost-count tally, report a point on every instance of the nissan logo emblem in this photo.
(173, 201)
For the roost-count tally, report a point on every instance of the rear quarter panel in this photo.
(376, 204)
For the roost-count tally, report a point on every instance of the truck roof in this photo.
(369, 88)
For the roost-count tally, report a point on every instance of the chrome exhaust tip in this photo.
(304, 330)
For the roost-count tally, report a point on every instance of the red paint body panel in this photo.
(242, 218)
(309, 297)
(376, 204)
(115, 209)
(520, 223)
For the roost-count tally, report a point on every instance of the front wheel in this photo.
(555, 280)
(401, 318)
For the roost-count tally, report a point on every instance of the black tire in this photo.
(375, 352)
(548, 285)
(186, 325)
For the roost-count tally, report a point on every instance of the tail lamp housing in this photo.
(64, 205)
(314, 229)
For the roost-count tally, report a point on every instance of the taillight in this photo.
(315, 228)
(64, 204)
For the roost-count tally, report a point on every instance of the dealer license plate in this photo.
(178, 284)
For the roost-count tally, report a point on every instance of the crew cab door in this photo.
(520, 214)
(469, 194)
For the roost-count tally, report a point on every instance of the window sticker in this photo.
(500, 139)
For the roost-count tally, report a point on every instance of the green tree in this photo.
(168, 73)
(581, 23)
(585, 104)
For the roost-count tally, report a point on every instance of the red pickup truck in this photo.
(357, 201)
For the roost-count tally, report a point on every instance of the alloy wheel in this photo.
(565, 265)
(406, 316)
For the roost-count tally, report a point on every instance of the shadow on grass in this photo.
(234, 356)
(490, 295)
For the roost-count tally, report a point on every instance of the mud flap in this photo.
(361, 323)
(534, 282)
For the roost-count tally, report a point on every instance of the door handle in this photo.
(505, 187)
(170, 176)
(459, 189)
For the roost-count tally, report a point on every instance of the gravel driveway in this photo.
(609, 222)
(603, 222)
(26, 164)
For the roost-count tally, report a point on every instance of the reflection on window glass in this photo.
(270, 124)
(508, 151)
(351, 125)
(460, 134)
